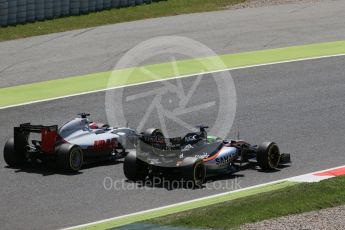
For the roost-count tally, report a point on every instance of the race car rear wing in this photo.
(48, 136)
(159, 145)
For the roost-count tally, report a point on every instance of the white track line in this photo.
(292, 179)
(172, 78)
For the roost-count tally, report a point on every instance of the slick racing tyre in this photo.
(193, 171)
(154, 141)
(134, 168)
(268, 156)
(70, 157)
(154, 133)
(12, 157)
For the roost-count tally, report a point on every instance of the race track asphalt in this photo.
(98, 49)
(299, 105)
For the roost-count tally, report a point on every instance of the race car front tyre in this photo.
(70, 157)
(153, 132)
(193, 171)
(134, 168)
(12, 157)
(268, 156)
(155, 141)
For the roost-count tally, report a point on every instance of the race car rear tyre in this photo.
(268, 156)
(194, 171)
(134, 168)
(12, 157)
(70, 157)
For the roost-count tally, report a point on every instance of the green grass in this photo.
(118, 78)
(156, 9)
(291, 200)
(125, 220)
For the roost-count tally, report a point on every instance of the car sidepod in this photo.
(220, 162)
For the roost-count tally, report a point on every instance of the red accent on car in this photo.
(93, 125)
(48, 140)
(213, 156)
(104, 144)
(60, 139)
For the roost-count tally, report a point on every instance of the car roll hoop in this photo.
(83, 115)
(203, 132)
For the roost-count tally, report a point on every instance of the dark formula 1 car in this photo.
(196, 156)
(75, 143)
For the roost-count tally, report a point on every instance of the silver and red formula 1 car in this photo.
(196, 156)
(75, 143)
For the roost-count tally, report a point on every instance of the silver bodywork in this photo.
(78, 132)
